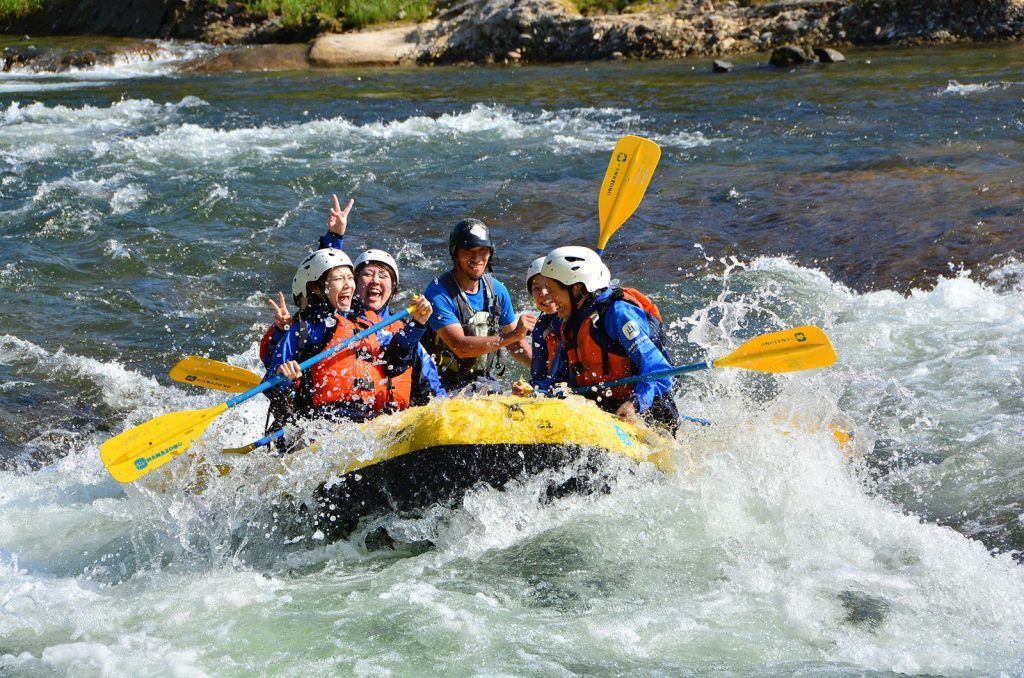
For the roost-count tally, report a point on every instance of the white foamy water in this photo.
(954, 87)
(171, 141)
(164, 59)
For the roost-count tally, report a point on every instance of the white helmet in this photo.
(378, 257)
(572, 264)
(315, 265)
(533, 270)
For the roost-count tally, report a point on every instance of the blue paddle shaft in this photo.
(319, 357)
(645, 377)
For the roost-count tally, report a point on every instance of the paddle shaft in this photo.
(682, 369)
(265, 440)
(279, 379)
(799, 348)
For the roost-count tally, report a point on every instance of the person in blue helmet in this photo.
(473, 315)
(610, 333)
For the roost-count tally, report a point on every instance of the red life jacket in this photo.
(265, 343)
(594, 362)
(356, 374)
(400, 390)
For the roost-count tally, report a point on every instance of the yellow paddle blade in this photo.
(801, 348)
(214, 374)
(132, 454)
(625, 181)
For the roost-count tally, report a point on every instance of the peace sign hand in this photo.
(282, 318)
(337, 222)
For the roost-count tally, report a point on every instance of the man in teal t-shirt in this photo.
(473, 316)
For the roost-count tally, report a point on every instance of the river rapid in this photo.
(147, 214)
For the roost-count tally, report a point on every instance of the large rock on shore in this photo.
(60, 59)
(383, 47)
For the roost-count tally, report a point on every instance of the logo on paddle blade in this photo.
(800, 336)
(143, 462)
(622, 157)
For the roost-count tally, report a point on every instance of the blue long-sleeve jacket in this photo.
(540, 376)
(638, 344)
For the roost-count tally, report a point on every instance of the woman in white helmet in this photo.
(283, 319)
(609, 333)
(353, 383)
(548, 366)
(376, 284)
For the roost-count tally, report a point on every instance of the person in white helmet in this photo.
(609, 333)
(548, 366)
(376, 284)
(473, 317)
(354, 383)
(283, 319)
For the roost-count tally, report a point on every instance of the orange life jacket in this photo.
(593, 362)
(356, 374)
(399, 386)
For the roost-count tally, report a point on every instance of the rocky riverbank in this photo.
(531, 31)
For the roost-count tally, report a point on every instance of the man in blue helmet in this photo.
(473, 316)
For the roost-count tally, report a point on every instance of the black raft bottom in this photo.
(442, 475)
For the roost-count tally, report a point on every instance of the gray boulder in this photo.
(791, 55)
(827, 55)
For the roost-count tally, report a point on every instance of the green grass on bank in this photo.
(351, 13)
(18, 8)
(359, 13)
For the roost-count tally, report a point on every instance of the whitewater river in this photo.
(146, 214)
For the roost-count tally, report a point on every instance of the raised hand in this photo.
(337, 222)
(421, 309)
(525, 325)
(282, 318)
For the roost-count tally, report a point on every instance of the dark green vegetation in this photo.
(351, 14)
(17, 8)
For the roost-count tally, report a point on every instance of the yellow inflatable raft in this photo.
(437, 452)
